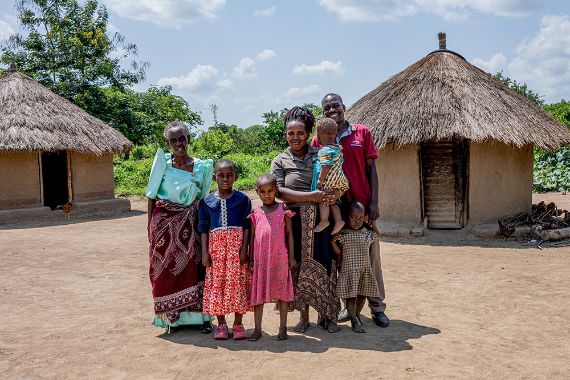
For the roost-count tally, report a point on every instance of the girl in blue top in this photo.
(224, 226)
(176, 185)
(328, 174)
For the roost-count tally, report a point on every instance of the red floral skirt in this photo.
(227, 287)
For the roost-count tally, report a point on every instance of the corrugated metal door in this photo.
(444, 180)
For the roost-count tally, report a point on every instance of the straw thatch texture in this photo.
(32, 118)
(442, 96)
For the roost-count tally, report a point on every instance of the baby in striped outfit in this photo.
(328, 174)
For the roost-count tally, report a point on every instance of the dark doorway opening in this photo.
(444, 179)
(54, 177)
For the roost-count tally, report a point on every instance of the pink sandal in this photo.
(239, 332)
(221, 332)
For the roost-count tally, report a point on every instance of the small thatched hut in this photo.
(52, 152)
(455, 144)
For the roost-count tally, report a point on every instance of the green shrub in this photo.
(131, 175)
(551, 170)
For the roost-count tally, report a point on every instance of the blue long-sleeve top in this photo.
(215, 212)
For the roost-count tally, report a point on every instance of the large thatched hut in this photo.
(52, 152)
(455, 144)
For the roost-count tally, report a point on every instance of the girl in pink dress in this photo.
(272, 244)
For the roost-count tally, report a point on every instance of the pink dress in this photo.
(272, 279)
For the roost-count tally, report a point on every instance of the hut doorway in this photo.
(54, 178)
(444, 182)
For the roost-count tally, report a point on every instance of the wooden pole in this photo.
(41, 178)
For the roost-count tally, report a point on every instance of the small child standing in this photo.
(328, 174)
(224, 229)
(272, 246)
(356, 280)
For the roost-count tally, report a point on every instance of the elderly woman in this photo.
(315, 277)
(177, 182)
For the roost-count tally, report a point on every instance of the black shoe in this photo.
(381, 319)
(343, 316)
(206, 328)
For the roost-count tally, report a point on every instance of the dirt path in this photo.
(76, 303)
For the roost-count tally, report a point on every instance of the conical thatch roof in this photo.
(32, 118)
(442, 96)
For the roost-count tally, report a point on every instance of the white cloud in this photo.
(453, 10)
(245, 69)
(265, 55)
(268, 12)
(302, 92)
(325, 67)
(494, 64)
(5, 30)
(168, 14)
(543, 61)
(226, 84)
(201, 76)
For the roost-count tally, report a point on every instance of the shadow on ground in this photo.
(315, 340)
(74, 219)
(463, 238)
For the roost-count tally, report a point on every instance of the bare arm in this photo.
(323, 175)
(337, 251)
(373, 181)
(289, 195)
(243, 254)
(290, 242)
(150, 208)
(205, 254)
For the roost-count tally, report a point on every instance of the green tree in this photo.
(213, 143)
(68, 49)
(521, 88)
(561, 111)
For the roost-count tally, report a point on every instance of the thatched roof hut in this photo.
(458, 139)
(52, 152)
(443, 96)
(33, 118)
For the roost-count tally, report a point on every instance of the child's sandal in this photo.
(239, 332)
(221, 332)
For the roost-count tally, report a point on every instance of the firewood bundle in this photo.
(541, 219)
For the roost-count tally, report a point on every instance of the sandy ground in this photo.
(75, 301)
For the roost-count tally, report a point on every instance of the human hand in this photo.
(206, 261)
(243, 257)
(316, 196)
(292, 262)
(329, 196)
(373, 212)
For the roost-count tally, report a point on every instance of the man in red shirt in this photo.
(360, 168)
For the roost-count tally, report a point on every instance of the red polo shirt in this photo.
(357, 147)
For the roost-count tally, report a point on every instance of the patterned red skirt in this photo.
(175, 259)
(227, 287)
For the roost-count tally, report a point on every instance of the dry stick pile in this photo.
(542, 217)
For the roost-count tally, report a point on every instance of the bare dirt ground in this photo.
(75, 301)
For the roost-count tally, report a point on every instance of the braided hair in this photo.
(302, 114)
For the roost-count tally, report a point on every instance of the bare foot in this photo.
(302, 326)
(358, 327)
(321, 226)
(338, 224)
(282, 333)
(333, 327)
(255, 336)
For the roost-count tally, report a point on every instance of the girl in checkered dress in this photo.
(356, 280)
(328, 174)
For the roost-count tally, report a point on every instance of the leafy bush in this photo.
(551, 170)
(131, 175)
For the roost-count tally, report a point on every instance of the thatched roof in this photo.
(442, 96)
(32, 118)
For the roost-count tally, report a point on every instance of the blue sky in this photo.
(249, 57)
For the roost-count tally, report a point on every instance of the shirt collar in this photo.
(351, 128)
